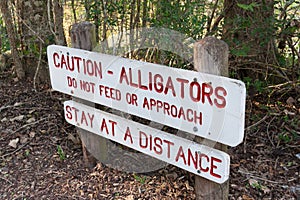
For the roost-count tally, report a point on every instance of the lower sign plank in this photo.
(198, 159)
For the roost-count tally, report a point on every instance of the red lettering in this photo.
(157, 145)
(212, 167)
(166, 108)
(70, 67)
(169, 85)
(180, 154)
(77, 64)
(206, 93)
(152, 103)
(110, 93)
(189, 113)
(104, 126)
(159, 105)
(181, 113)
(193, 158)
(123, 76)
(134, 99)
(196, 97)
(198, 117)
(221, 104)
(132, 84)
(128, 134)
(68, 112)
(173, 111)
(113, 124)
(55, 59)
(169, 143)
(201, 161)
(76, 113)
(63, 61)
(140, 81)
(83, 119)
(145, 103)
(91, 117)
(142, 134)
(158, 80)
(182, 82)
(150, 81)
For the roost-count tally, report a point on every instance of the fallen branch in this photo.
(26, 125)
(255, 124)
(6, 180)
(258, 178)
(10, 106)
(18, 149)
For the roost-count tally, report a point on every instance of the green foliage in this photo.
(27, 152)
(61, 153)
(5, 46)
(258, 85)
(189, 18)
(256, 185)
(285, 137)
(141, 179)
(248, 7)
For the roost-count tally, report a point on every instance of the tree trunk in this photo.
(5, 10)
(58, 12)
(36, 36)
(249, 31)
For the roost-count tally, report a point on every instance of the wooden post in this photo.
(211, 56)
(83, 37)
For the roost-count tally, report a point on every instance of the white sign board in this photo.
(198, 159)
(209, 106)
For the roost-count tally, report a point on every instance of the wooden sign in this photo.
(205, 105)
(198, 159)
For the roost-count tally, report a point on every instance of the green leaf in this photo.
(248, 7)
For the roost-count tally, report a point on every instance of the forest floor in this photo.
(40, 158)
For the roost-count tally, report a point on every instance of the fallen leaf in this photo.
(290, 101)
(188, 187)
(245, 197)
(32, 134)
(32, 111)
(74, 139)
(288, 112)
(30, 120)
(18, 104)
(23, 139)
(265, 189)
(18, 118)
(13, 143)
(173, 176)
(4, 119)
(130, 197)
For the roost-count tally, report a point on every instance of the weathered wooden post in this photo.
(211, 56)
(83, 37)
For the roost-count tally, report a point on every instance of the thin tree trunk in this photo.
(145, 13)
(104, 25)
(97, 21)
(131, 24)
(13, 40)
(58, 12)
(74, 10)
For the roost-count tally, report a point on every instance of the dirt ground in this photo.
(40, 157)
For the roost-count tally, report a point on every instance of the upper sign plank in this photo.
(206, 105)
